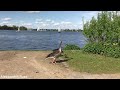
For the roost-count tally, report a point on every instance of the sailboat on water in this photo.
(18, 29)
(38, 29)
(59, 30)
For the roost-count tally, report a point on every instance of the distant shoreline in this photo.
(52, 30)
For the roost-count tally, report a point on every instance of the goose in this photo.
(56, 53)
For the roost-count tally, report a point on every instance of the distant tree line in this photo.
(5, 27)
(74, 30)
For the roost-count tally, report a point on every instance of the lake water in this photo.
(33, 40)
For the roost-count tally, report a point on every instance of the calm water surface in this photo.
(33, 40)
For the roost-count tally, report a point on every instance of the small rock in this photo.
(37, 72)
(24, 57)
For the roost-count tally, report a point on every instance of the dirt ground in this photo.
(32, 65)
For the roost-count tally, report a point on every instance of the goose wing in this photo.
(53, 54)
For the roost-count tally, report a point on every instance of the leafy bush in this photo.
(104, 28)
(71, 47)
(112, 51)
(93, 48)
(107, 50)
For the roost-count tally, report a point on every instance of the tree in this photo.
(23, 28)
(103, 34)
(15, 27)
(104, 29)
(5, 27)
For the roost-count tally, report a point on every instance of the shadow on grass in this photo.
(64, 60)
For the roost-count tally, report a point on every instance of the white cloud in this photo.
(52, 21)
(27, 24)
(10, 24)
(63, 22)
(44, 24)
(66, 23)
(33, 11)
(6, 19)
(5, 22)
(55, 24)
(75, 25)
(81, 23)
(21, 21)
(92, 13)
(41, 22)
(88, 15)
(48, 20)
(38, 20)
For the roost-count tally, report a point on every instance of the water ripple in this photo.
(33, 40)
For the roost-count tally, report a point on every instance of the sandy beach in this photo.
(32, 65)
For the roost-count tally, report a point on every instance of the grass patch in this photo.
(92, 63)
(71, 47)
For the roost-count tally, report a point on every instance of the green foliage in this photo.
(95, 48)
(107, 50)
(106, 28)
(103, 33)
(112, 50)
(23, 28)
(71, 47)
(5, 27)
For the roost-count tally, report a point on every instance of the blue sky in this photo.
(46, 19)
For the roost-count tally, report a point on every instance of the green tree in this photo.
(23, 28)
(104, 29)
(5, 27)
(103, 34)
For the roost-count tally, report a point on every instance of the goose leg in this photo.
(54, 61)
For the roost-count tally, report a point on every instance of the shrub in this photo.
(112, 51)
(107, 50)
(95, 48)
(71, 47)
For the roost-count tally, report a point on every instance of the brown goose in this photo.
(56, 53)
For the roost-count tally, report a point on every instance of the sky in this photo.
(46, 19)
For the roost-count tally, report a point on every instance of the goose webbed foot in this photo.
(54, 61)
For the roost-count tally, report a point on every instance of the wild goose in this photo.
(56, 53)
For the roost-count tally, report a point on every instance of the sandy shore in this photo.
(31, 65)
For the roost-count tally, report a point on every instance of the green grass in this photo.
(92, 63)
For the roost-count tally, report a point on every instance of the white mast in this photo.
(38, 29)
(18, 28)
(59, 30)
